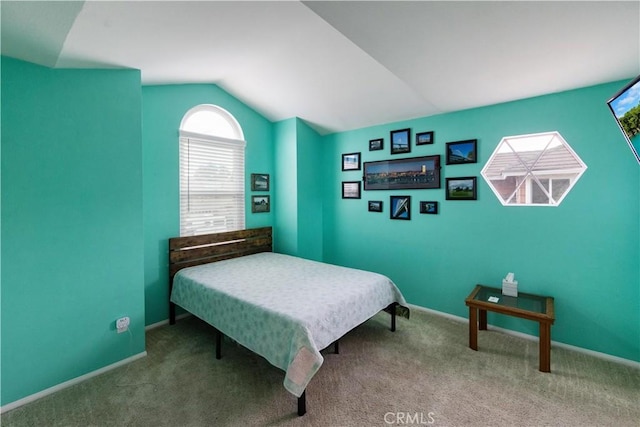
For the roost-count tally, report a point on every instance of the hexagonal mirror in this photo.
(533, 170)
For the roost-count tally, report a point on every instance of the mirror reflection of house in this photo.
(537, 169)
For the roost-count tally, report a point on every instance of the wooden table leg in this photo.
(483, 320)
(545, 347)
(473, 328)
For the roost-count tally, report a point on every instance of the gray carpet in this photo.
(423, 374)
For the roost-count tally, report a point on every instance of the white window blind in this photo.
(211, 185)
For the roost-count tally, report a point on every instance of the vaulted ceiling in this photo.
(340, 65)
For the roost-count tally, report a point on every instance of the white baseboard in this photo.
(438, 313)
(165, 322)
(50, 390)
(74, 381)
(605, 356)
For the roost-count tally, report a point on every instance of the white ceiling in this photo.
(340, 65)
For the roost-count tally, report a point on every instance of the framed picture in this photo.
(350, 189)
(400, 207)
(260, 204)
(375, 205)
(428, 207)
(351, 162)
(423, 138)
(462, 152)
(376, 144)
(410, 173)
(259, 182)
(463, 188)
(400, 141)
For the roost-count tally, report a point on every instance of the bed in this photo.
(285, 309)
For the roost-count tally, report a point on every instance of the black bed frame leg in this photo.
(218, 344)
(336, 347)
(172, 313)
(302, 404)
(393, 317)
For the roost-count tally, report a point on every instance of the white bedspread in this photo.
(283, 308)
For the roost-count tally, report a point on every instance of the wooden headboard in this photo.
(195, 250)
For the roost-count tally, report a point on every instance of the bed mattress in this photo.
(284, 308)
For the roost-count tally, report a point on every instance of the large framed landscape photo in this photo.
(411, 173)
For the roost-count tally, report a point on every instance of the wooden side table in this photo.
(527, 306)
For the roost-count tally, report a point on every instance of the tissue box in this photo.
(510, 288)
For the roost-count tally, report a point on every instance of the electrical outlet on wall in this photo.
(122, 324)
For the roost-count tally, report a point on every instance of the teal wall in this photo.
(310, 192)
(71, 223)
(298, 222)
(285, 184)
(90, 195)
(584, 253)
(163, 108)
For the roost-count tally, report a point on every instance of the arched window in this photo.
(211, 171)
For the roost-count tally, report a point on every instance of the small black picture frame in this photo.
(461, 188)
(400, 207)
(351, 162)
(424, 138)
(401, 141)
(428, 207)
(351, 189)
(376, 144)
(375, 205)
(259, 182)
(260, 204)
(460, 152)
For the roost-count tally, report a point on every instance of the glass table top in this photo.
(527, 302)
